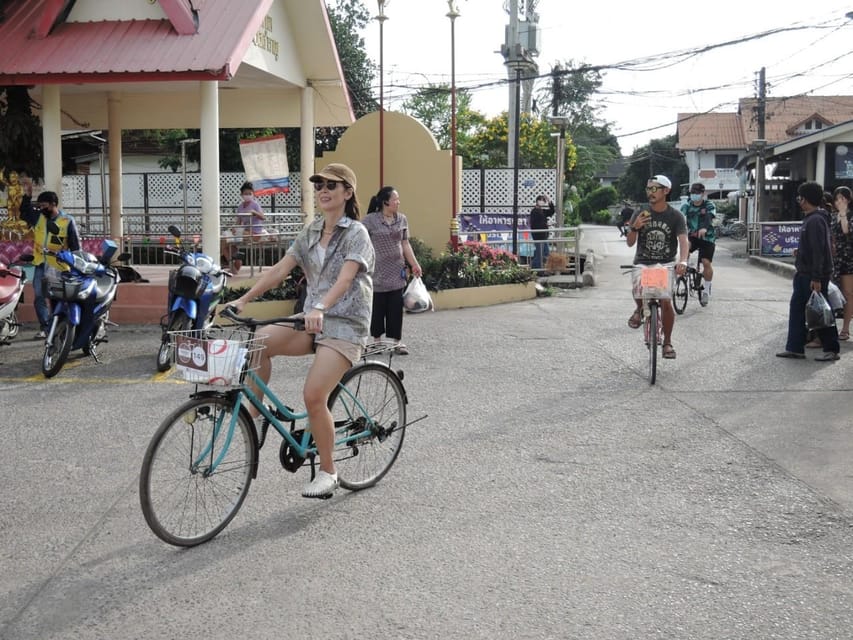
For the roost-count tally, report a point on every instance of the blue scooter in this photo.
(195, 288)
(81, 298)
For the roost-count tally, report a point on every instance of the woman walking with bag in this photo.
(389, 233)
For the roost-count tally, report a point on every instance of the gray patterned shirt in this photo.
(387, 241)
(349, 318)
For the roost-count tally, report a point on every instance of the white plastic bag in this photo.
(836, 298)
(818, 312)
(416, 298)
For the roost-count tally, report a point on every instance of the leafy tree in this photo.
(660, 156)
(536, 148)
(432, 106)
(570, 93)
(20, 133)
(348, 19)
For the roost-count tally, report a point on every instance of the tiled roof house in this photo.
(806, 139)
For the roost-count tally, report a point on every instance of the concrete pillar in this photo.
(114, 140)
(51, 122)
(306, 159)
(210, 205)
(820, 165)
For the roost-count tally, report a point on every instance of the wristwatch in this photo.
(319, 306)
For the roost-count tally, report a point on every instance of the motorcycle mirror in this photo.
(52, 227)
(123, 257)
(174, 231)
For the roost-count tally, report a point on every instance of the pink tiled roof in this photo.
(783, 117)
(710, 131)
(133, 50)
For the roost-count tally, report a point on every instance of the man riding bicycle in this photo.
(700, 214)
(660, 233)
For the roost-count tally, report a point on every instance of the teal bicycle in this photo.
(200, 463)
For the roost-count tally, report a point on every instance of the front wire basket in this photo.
(217, 356)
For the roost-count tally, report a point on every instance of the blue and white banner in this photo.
(265, 164)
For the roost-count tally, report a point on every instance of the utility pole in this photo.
(759, 145)
(521, 44)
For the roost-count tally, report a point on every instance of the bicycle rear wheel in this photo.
(679, 298)
(183, 501)
(369, 408)
(654, 317)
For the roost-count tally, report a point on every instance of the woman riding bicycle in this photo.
(659, 233)
(336, 255)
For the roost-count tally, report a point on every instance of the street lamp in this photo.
(453, 13)
(381, 18)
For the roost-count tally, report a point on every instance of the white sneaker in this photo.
(704, 298)
(324, 484)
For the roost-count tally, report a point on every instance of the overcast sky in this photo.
(640, 104)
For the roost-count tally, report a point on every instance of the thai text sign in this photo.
(780, 239)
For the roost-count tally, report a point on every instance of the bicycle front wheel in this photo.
(196, 472)
(369, 411)
(654, 317)
(679, 298)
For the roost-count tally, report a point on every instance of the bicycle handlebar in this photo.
(230, 312)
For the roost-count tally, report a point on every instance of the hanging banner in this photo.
(265, 164)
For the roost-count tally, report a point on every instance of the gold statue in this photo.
(15, 190)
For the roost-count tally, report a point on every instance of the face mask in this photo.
(247, 197)
(696, 197)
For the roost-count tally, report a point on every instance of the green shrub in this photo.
(602, 217)
(597, 200)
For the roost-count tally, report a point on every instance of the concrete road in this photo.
(552, 493)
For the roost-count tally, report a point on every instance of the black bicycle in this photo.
(692, 283)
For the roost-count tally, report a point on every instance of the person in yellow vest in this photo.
(37, 216)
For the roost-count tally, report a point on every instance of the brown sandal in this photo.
(635, 320)
(668, 352)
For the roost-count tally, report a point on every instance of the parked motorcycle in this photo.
(12, 280)
(195, 288)
(81, 300)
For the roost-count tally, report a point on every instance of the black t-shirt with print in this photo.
(657, 241)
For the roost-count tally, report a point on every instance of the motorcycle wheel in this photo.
(56, 351)
(13, 325)
(179, 322)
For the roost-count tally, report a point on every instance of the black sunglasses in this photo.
(330, 185)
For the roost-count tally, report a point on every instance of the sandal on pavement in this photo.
(668, 352)
(401, 350)
(843, 335)
(635, 320)
(323, 485)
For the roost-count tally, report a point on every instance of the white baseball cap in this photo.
(662, 181)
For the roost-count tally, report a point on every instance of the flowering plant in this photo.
(473, 264)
